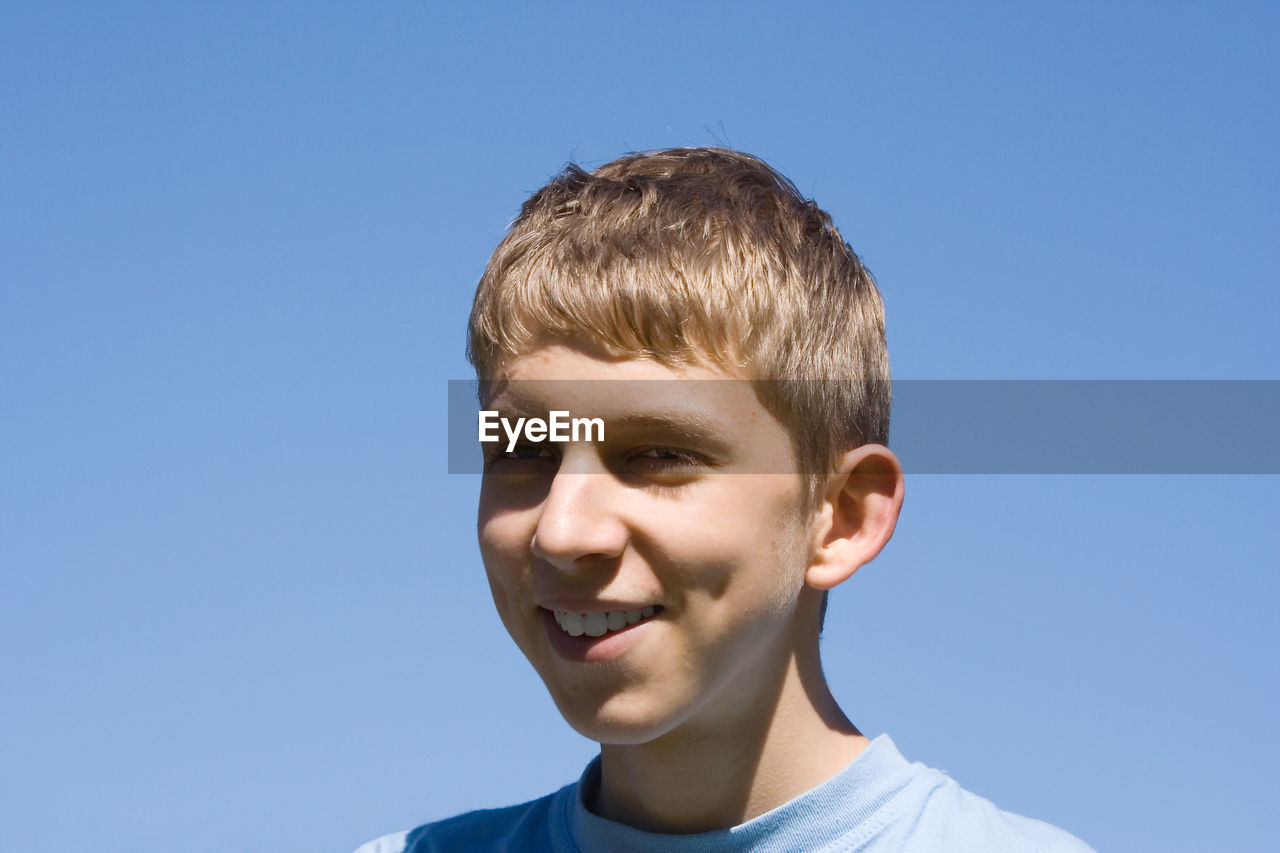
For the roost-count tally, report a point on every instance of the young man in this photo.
(667, 578)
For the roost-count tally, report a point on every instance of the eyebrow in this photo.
(683, 426)
(680, 425)
(511, 411)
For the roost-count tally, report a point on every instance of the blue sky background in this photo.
(241, 606)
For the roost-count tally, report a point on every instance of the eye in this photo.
(665, 461)
(521, 453)
(666, 454)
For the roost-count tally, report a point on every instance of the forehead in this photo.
(598, 384)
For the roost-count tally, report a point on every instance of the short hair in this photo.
(698, 255)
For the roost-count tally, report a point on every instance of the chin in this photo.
(615, 733)
(621, 721)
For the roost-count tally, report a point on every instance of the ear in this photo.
(857, 515)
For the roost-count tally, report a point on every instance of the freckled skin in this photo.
(720, 546)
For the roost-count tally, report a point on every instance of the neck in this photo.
(706, 776)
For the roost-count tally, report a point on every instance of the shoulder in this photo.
(947, 817)
(534, 827)
(393, 843)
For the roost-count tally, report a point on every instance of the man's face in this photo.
(689, 510)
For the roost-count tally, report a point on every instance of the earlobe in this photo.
(857, 516)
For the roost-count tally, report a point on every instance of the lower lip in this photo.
(584, 649)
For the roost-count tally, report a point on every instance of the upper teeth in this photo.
(599, 624)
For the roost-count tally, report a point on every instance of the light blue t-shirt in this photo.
(880, 803)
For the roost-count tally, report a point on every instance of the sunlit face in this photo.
(689, 510)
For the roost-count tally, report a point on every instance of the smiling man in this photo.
(667, 579)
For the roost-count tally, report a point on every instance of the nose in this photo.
(579, 527)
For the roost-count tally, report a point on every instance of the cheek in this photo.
(775, 552)
(745, 565)
(505, 561)
(509, 589)
(504, 536)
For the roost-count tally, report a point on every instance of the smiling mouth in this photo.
(599, 624)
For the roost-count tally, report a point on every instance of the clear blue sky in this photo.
(241, 605)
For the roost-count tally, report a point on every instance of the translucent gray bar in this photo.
(1037, 426)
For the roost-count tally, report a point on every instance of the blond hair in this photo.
(696, 255)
